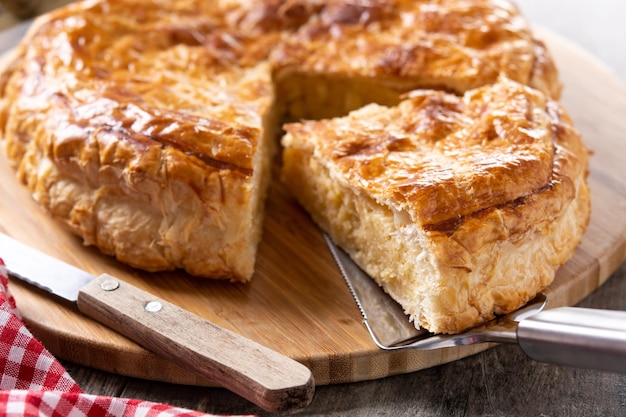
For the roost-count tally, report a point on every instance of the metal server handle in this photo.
(580, 337)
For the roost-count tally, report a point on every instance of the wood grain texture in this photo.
(297, 302)
(262, 376)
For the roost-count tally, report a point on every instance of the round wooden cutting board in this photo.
(297, 303)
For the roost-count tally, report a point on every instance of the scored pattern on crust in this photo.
(454, 237)
(154, 143)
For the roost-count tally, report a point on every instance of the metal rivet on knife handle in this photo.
(153, 307)
(110, 284)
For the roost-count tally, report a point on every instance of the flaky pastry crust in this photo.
(145, 132)
(147, 127)
(460, 207)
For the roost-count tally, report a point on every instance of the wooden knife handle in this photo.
(261, 375)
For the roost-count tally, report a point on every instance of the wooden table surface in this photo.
(498, 382)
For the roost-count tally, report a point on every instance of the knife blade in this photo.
(263, 376)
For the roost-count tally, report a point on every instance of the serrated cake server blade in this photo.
(382, 315)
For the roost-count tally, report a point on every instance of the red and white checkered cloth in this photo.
(34, 384)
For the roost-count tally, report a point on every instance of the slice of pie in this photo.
(460, 207)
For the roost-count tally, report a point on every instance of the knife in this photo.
(263, 376)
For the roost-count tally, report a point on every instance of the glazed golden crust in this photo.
(450, 45)
(154, 143)
(460, 207)
(437, 156)
(146, 144)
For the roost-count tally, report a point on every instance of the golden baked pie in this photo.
(148, 127)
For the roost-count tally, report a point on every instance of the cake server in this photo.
(570, 336)
(255, 372)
